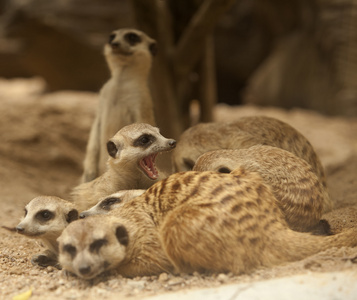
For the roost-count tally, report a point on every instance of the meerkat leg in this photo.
(45, 259)
(91, 160)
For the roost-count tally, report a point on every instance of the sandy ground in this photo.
(43, 138)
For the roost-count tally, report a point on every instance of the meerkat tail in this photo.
(297, 245)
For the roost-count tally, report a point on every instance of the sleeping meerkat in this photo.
(45, 218)
(111, 202)
(131, 164)
(243, 133)
(200, 221)
(301, 196)
(125, 98)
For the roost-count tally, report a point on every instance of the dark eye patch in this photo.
(145, 140)
(44, 215)
(224, 170)
(111, 38)
(70, 249)
(132, 38)
(107, 203)
(96, 245)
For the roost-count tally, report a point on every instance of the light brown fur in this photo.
(301, 196)
(45, 218)
(125, 98)
(110, 202)
(241, 134)
(206, 222)
(125, 170)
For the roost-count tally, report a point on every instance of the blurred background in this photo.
(296, 53)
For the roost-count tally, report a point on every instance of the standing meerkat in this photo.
(301, 196)
(125, 98)
(200, 221)
(131, 164)
(243, 133)
(45, 218)
(108, 203)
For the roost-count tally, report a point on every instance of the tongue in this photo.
(148, 165)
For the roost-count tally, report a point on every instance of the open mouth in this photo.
(148, 166)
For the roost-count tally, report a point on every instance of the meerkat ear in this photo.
(153, 48)
(72, 216)
(122, 235)
(112, 149)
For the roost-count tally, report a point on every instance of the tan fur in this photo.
(301, 196)
(206, 222)
(124, 99)
(243, 133)
(133, 251)
(110, 202)
(45, 218)
(124, 165)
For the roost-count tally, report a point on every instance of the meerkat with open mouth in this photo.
(131, 165)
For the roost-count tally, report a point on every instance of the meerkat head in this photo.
(46, 217)
(127, 46)
(93, 245)
(222, 161)
(138, 145)
(111, 202)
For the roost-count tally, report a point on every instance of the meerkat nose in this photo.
(172, 143)
(114, 45)
(84, 270)
(20, 229)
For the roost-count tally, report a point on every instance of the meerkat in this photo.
(300, 194)
(45, 218)
(243, 133)
(125, 98)
(131, 164)
(197, 221)
(101, 243)
(111, 202)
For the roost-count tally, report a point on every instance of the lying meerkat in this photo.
(125, 98)
(301, 196)
(45, 218)
(131, 164)
(111, 202)
(97, 244)
(200, 221)
(243, 133)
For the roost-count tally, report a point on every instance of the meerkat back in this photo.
(125, 98)
(241, 134)
(301, 196)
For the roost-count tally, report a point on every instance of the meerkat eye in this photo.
(96, 245)
(132, 38)
(71, 250)
(44, 215)
(144, 140)
(107, 203)
(224, 170)
(25, 212)
(111, 38)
